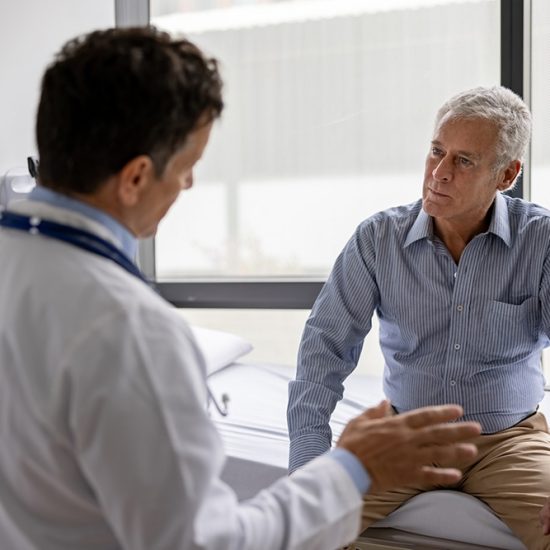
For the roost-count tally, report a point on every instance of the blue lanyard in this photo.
(71, 235)
(86, 241)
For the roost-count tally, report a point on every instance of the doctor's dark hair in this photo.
(112, 95)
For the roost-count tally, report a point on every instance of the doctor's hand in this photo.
(545, 517)
(401, 450)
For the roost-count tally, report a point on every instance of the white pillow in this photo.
(219, 349)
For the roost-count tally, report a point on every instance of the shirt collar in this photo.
(500, 221)
(127, 241)
(422, 227)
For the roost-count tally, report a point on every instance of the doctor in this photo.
(104, 437)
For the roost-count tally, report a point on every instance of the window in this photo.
(329, 113)
(540, 92)
(27, 46)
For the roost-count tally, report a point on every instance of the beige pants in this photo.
(511, 474)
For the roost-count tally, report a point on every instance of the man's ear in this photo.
(509, 175)
(134, 179)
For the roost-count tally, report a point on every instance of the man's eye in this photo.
(464, 161)
(436, 152)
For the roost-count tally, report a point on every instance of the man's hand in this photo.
(545, 517)
(401, 450)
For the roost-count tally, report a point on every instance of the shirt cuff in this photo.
(353, 467)
(306, 448)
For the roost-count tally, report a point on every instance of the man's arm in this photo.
(330, 347)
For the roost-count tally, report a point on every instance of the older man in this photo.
(460, 281)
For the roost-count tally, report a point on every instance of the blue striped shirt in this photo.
(469, 333)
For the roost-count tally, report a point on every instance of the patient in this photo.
(460, 281)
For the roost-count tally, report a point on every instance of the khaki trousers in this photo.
(511, 474)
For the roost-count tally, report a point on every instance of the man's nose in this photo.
(443, 171)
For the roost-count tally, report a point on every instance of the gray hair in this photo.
(501, 106)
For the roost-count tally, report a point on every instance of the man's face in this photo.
(459, 181)
(177, 176)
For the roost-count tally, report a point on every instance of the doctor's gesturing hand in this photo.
(401, 450)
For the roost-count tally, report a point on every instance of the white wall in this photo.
(31, 31)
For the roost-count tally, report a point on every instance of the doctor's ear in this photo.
(134, 179)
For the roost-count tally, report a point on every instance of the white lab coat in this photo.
(105, 441)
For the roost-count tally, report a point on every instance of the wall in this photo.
(31, 31)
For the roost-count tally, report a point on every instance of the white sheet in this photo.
(257, 410)
(256, 441)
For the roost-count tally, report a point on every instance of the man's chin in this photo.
(435, 205)
(428, 206)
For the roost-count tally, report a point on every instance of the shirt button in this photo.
(453, 382)
(457, 347)
(454, 275)
(459, 308)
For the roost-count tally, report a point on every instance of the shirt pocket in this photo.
(509, 331)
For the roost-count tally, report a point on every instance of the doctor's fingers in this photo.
(380, 411)
(428, 476)
(407, 469)
(454, 454)
(428, 466)
(446, 433)
(428, 416)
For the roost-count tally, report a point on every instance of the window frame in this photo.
(300, 293)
